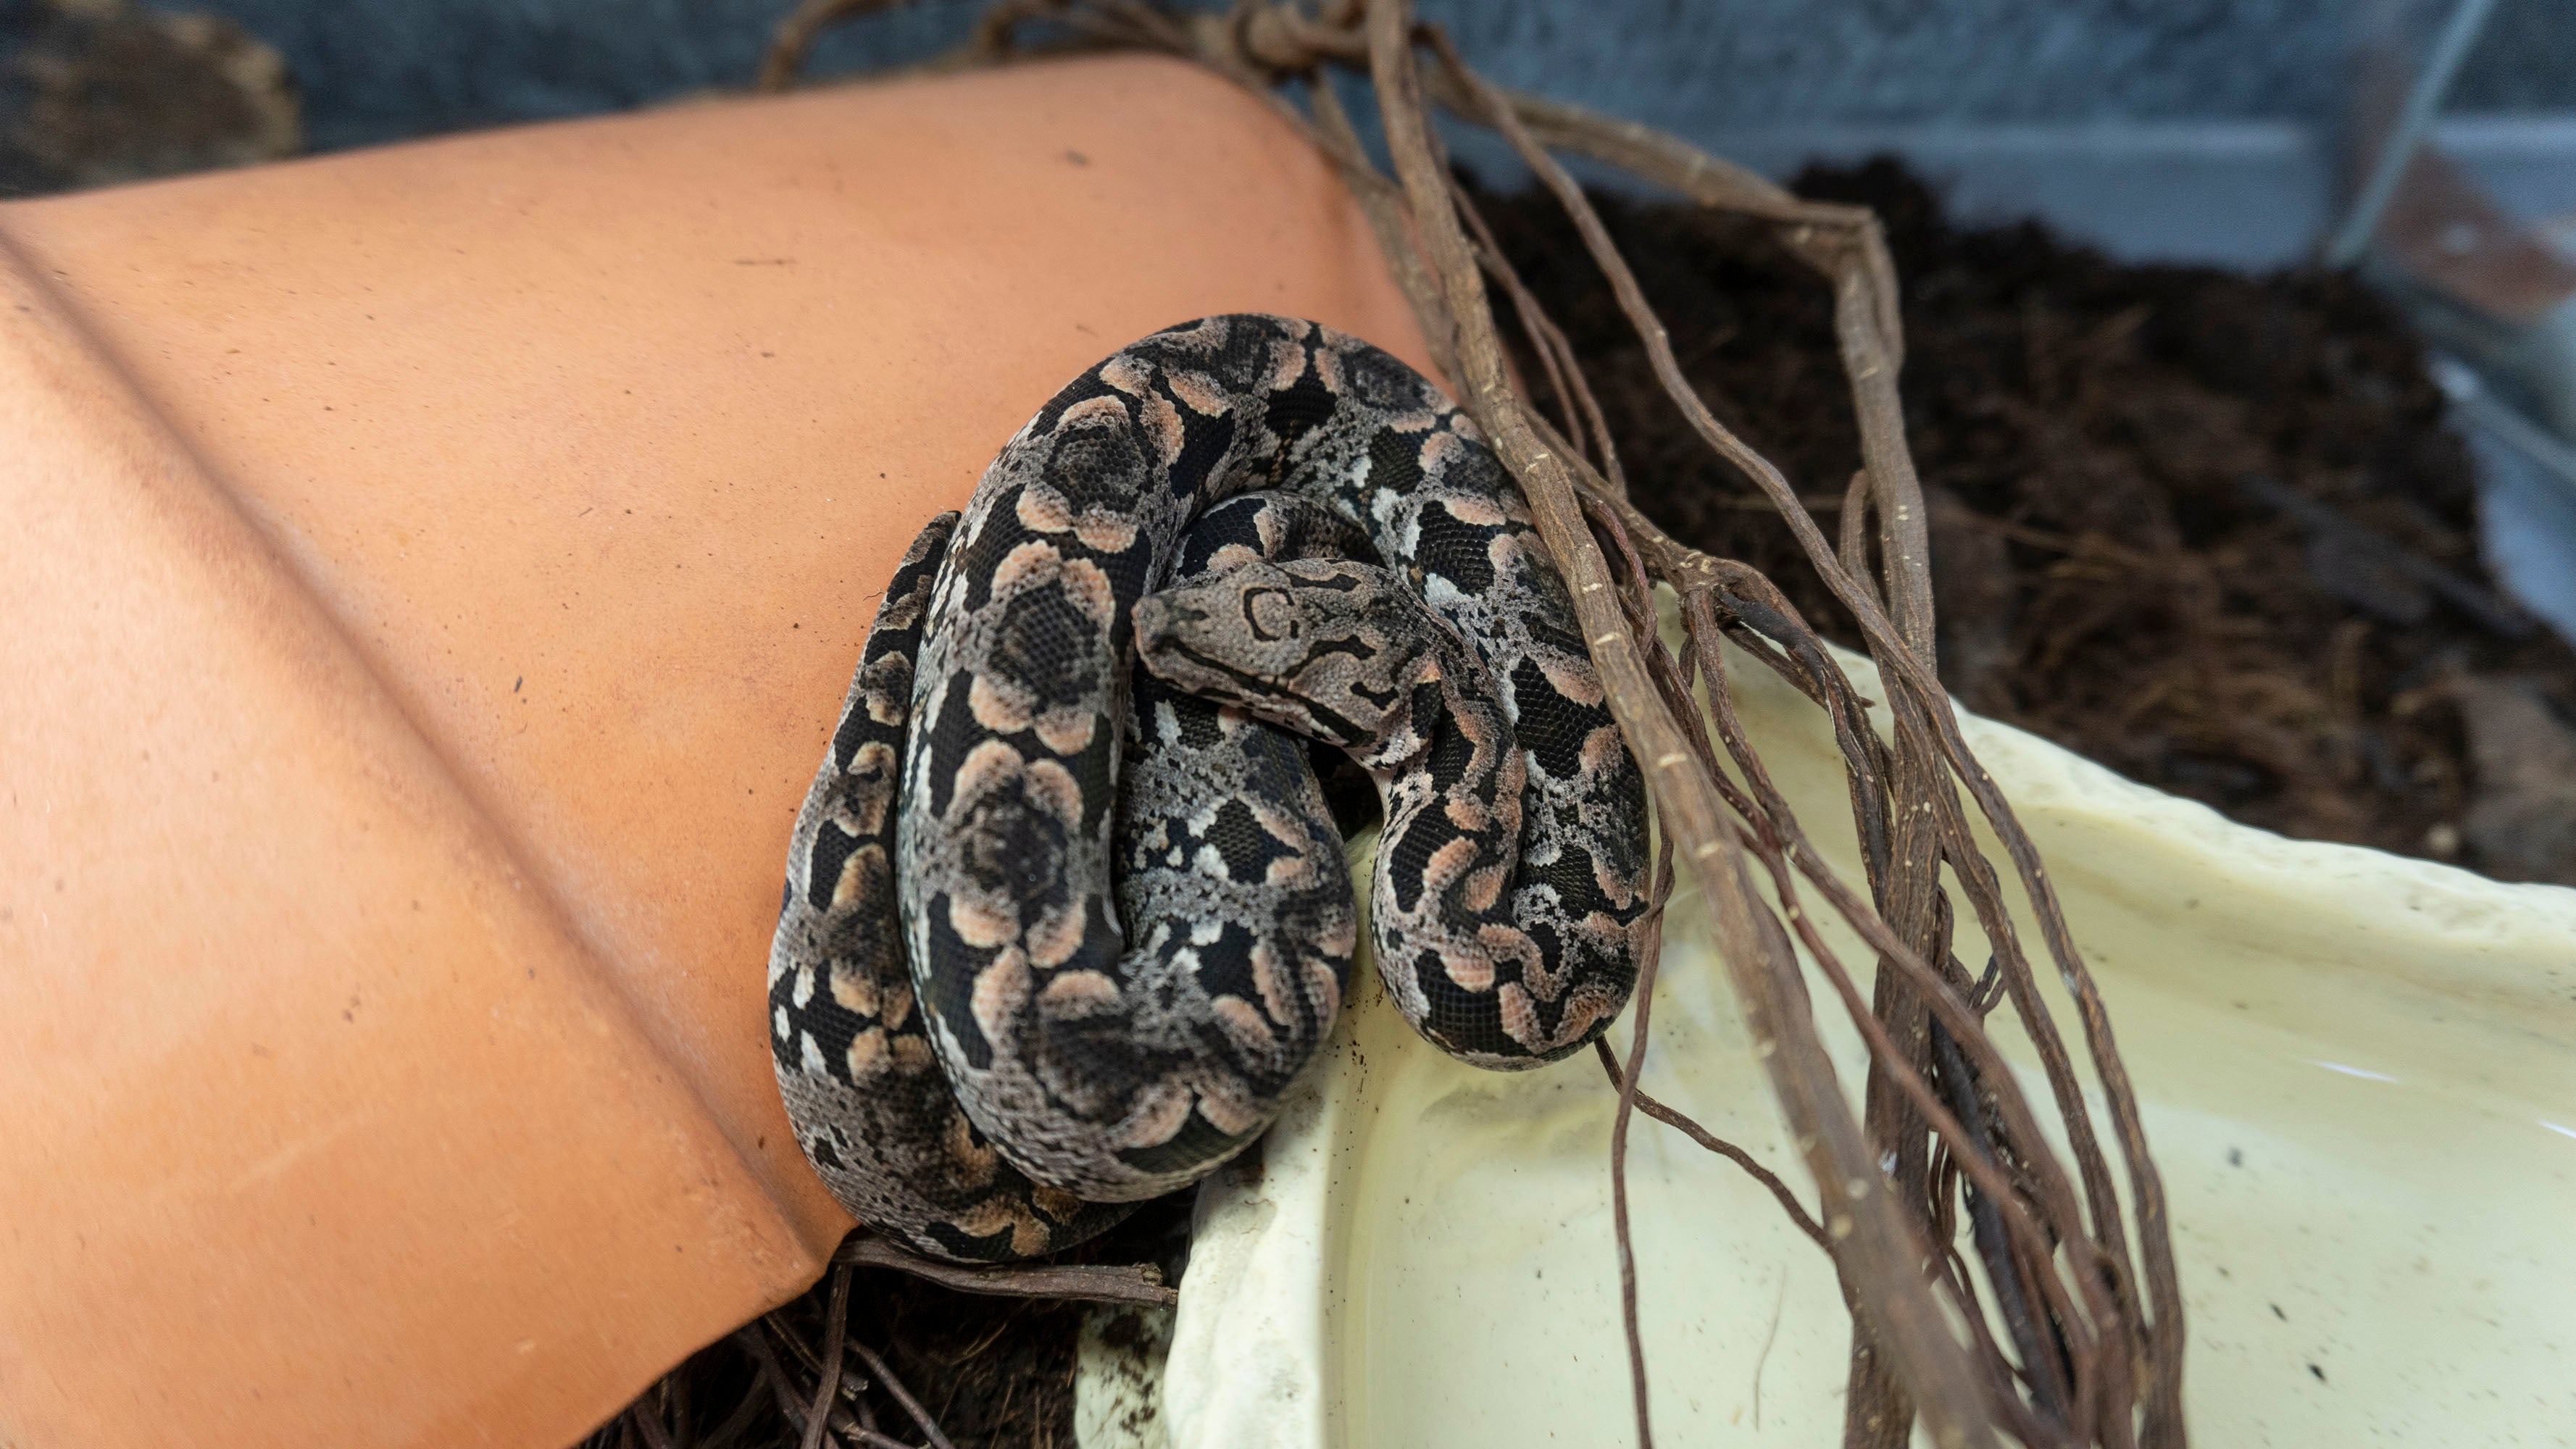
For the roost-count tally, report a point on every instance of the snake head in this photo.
(1330, 649)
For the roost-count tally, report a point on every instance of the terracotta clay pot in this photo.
(427, 581)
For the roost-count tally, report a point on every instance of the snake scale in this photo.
(1066, 908)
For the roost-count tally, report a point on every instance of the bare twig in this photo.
(1564, 369)
(739, 1421)
(1681, 1122)
(836, 1324)
(1139, 1285)
(755, 1338)
(648, 1426)
(1637, 1038)
(795, 36)
(1880, 1248)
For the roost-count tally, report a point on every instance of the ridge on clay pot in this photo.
(432, 576)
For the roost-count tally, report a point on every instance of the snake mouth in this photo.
(1172, 659)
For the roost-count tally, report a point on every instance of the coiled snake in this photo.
(1299, 536)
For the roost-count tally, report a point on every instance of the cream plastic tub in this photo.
(2359, 1074)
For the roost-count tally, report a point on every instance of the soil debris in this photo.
(2207, 529)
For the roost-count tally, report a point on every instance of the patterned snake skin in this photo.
(1299, 536)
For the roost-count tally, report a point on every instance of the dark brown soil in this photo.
(993, 1373)
(2206, 529)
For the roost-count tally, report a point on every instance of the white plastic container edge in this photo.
(2359, 1074)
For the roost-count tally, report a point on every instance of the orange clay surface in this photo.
(427, 582)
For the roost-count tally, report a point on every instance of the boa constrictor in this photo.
(1066, 910)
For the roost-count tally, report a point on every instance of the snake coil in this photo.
(1066, 910)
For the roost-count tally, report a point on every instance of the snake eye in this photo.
(1271, 613)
